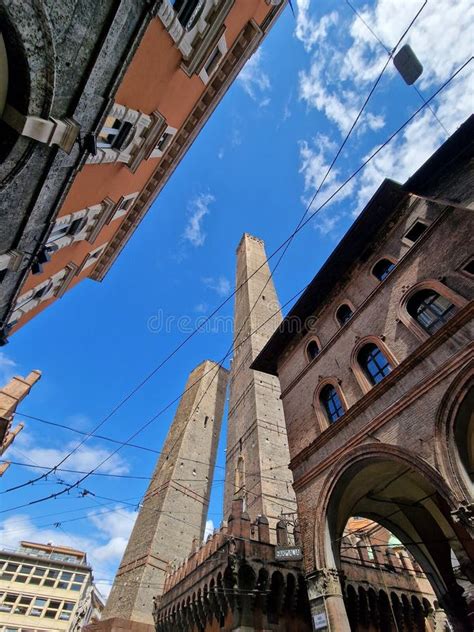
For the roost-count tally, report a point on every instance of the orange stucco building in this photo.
(189, 54)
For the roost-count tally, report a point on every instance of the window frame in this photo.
(417, 220)
(429, 284)
(351, 307)
(316, 340)
(220, 47)
(361, 376)
(389, 258)
(322, 420)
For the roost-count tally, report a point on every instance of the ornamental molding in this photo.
(246, 42)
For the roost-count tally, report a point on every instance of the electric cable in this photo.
(320, 186)
(334, 193)
(285, 245)
(390, 54)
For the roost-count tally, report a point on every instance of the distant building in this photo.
(376, 367)
(46, 587)
(10, 396)
(95, 115)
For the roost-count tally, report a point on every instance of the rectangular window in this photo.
(469, 267)
(415, 231)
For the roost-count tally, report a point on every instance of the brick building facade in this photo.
(375, 362)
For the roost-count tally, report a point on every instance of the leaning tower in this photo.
(257, 447)
(174, 508)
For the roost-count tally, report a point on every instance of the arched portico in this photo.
(403, 493)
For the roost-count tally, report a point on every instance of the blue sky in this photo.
(253, 168)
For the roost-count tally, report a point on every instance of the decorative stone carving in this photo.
(324, 583)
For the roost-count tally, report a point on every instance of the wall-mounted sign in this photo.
(288, 553)
(320, 621)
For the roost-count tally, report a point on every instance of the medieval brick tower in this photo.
(175, 506)
(257, 446)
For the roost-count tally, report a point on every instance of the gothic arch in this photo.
(455, 432)
(428, 284)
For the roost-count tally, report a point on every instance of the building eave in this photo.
(382, 206)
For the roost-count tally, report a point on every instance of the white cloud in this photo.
(403, 156)
(8, 368)
(254, 81)
(343, 65)
(85, 458)
(209, 530)
(220, 285)
(314, 166)
(310, 31)
(104, 544)
(198, 208)
(201, 308)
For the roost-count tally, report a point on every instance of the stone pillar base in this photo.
(118, 625)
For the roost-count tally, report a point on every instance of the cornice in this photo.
(234, 60)
(460, 319)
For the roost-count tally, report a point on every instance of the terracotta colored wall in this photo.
(153, 81)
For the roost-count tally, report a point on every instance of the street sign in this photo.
(320, 621)
(288, 553)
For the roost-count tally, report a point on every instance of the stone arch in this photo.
(276, 596)
(352, 606)
(363, 602)
(455, 432)
(403, 493)
(358, 371)
(31, 61)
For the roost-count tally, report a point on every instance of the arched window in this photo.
(374, 363)
(430, 309)
(343, 314)
(312, 350)
(331, 402)
(382, 269)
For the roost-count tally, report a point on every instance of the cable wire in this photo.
(334, 193)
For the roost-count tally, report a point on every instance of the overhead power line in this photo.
(334, 193)
(313, 198)
(390, 53)
(285, 247)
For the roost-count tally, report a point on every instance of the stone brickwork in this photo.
(400, 451)
(66, 61)
(174, 509)
(257, 447)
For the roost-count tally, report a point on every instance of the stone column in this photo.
(328, 611)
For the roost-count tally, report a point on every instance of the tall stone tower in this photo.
(175, 506)
(257, 445)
